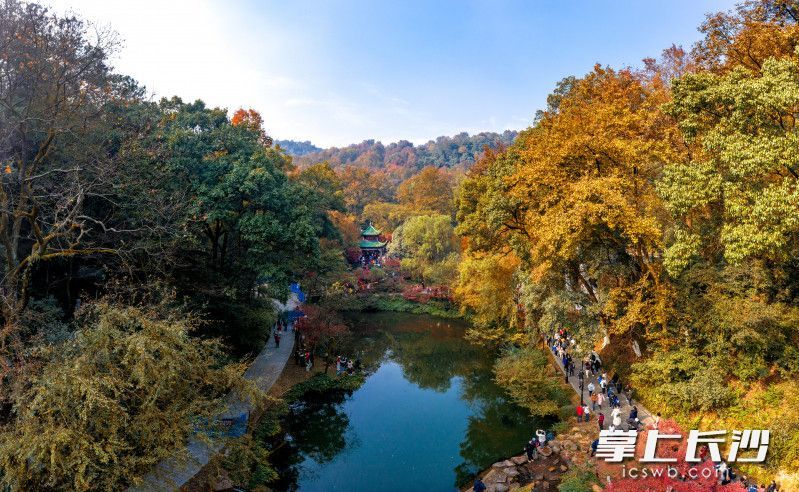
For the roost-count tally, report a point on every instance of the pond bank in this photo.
(568, 454)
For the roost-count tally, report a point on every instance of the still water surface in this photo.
(427, 417)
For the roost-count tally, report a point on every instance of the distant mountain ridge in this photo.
(297, 149)
(460, 150)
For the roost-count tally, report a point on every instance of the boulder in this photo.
(545, 451)
(495, 476)
(498, 487)
(511, 472)
(489, 477)
(503, 464)
(563, 468)
(519, 460)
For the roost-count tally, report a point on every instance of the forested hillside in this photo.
(459, 151)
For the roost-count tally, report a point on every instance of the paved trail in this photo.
(172, 473)
(643, 414)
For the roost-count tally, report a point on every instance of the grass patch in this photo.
(398, 304)
(578, 479)
(322, 383)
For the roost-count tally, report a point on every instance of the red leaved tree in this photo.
(694, 480)
(324, 330)
(251, 119)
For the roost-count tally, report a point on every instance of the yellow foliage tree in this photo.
(113, 401)
(429, 191)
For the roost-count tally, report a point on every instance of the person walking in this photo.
(587, 412)
(277, 339)
(594, 446)
(478, 486)
(580, 412)
(601, 421)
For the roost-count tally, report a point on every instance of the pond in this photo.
(427, 417)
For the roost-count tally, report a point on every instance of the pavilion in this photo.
(370, 244)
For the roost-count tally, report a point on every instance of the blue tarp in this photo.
(295, 288)
(294, 315)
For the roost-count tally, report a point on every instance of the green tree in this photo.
(740, 192)
(427, 247)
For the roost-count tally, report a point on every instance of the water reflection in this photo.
(428, 416)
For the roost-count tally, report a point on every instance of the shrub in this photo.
(113, 401)
(578, 479)
(322, 383)
(527, 376)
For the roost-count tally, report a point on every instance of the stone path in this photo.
(172, 473)
(644, 415)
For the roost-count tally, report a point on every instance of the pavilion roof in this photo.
(370, 231)
(371, 244)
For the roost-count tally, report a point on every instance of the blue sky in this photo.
(339, 72)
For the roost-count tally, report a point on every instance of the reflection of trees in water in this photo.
(315, 427)
(318, 429)
(495, 430)
(431, 353)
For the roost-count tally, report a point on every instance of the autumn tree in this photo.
(387, 216)
(428, 191)
(54, 81)
(574, 198)
(324, 331)
(530, 380)
(253, 121)
(748, 35)
(363, 186)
